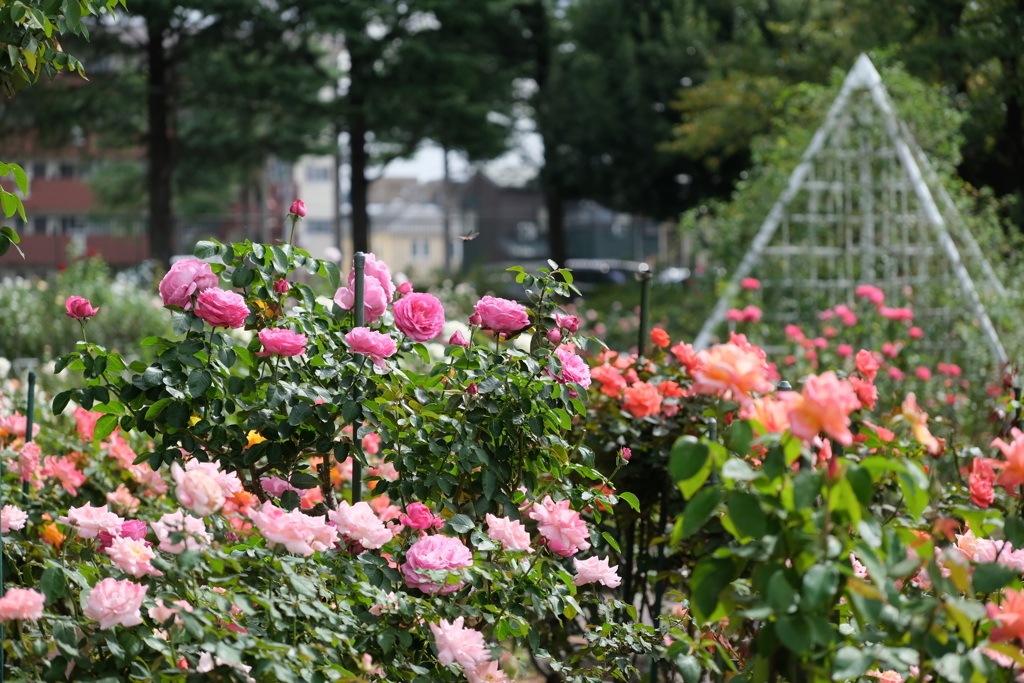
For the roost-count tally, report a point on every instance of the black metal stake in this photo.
(359, 295)
(30, 414)
(645, 300)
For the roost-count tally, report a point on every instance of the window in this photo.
(39, 225)
(420, 248)
(318, 174)
(67, 171)
(39, 169)
(69, 223)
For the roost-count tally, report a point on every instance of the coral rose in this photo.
(867, 365)
(1012, 474)
(282, 342)
(501, 315)
(222, 308)
(113, 602)
(642, 399)
(376, 345)
(867, 393)
(1009, 615)
(79, 307)
(612, 382)
(659, 337)
(419, 316)
(22, 603)
(434, 554)
(186, 278)
(981, 480)
(826, 407)
(732, 372)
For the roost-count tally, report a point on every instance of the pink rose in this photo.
(435, 553)
(276, 486)
(28, 460)
(923, 373)
(375, 299)
(17, 424)
(196, 491)
(458, 340)
(750, 283)
(455, 644)
(281, 286)
(561, 526)
(91, 520)
(22, 603)
(554, 336)
(359, 523)
(221, 308)
(595, 570)
(569, 323)
(134, 529)
(79, 307)
(282, 342)
(405, 288)
(420, 517)
(376, 345)
(113, 602)
(86, 421)
(163, 612)
(298, 532)
(419, 316)
(298, 208)
(377, 270)
(475, 319)
(12, 518)
(626, 454)
(193, 528)
(229, 482)
(132, 557)
(867, 365)
(185, 278)
(511, 534)
(844, 350)
(501, 315)
(873, 294)
(574, 368)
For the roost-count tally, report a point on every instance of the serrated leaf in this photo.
(461, 523)
(304, 480)
(53, 582)
(104, 426)
(198, 382)
(150, 378)
(299, 414)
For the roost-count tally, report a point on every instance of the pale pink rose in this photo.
(163, 611)
(28, 461)
(222, 308)
(92, 520)
(458, 645)
(123, 497)
(282, 342)
(17, 424)
(12, 518)
(487, 672)
(197, 491)
(501, 315)
(229, 482)
(371, 446)
(595, 570)
(133, 528)
(113, 602)
(458, 340)
(420, 517)
(420, 317)
(86, 421)
(511, 534)
(569, 323)
(859, 570)
(574, 368)
(79, 307)
(208, 662)
(390, 603)
(376, 270)
(185, 278)
(375, 300)
(193, 529)
(65, 471)
(359, 523)
(561, 526)
(132, 557)
(889, 676)
(298, 532)
(21, 604)
(435, 553)
(826, 407)
(376, 345)
(275, 486)
(148, 477)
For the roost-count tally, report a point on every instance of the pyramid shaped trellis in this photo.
(859, 210)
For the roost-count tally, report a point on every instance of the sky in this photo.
(514, 167)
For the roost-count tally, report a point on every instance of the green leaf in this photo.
(794, 630)
(742, 435)
(631, 500)
(780, 593)
(820, 584)
(991, 576)
(329, 269)
(351, 411)
(461, 523)
(1013, 529)
(157, 408)
(806, 487)
(304, 480)
(206, 249)
(53, 582)
(710, 577)
(181, 322)
(150, 378)
(738, 470)
(610, 540)
(850, 663)
(113, 407)
(60, 401)
(104, 426)
(198, 382)
(299, 413)
(746, 514)
(242, 276)
(699, 510)
(21, 178)
(280, 260)
(688, 458)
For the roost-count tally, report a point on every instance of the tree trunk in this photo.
(448, 239)
(360, 187)
(161, 161)
(336, 177)
(557, 249)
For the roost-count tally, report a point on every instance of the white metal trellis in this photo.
(865, 215)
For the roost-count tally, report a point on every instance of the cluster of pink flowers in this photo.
(298, 532)
(186, 279)
(566, 533)
(192, 529)
(465, 647)
(750, 314)
(282, 342)
(376, 345)
(512, 535)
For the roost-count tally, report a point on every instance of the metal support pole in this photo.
(645, 299)
(30, 412)
(357, 467)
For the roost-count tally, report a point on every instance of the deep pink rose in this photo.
(298, 208)
(419, 316)
(79, 307)
(501, 315)
(574, 368)
(420, 517)
(458, 340)
(626, 454)
(435, 553)
(282, 342)
(185, 278)
(282, 286)
(405, 288)
(475, 319)
(373, 344)
(375, 299)
(134, 529)
(221, 308)
(569, 323)
(554, 336)
(378, 270)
